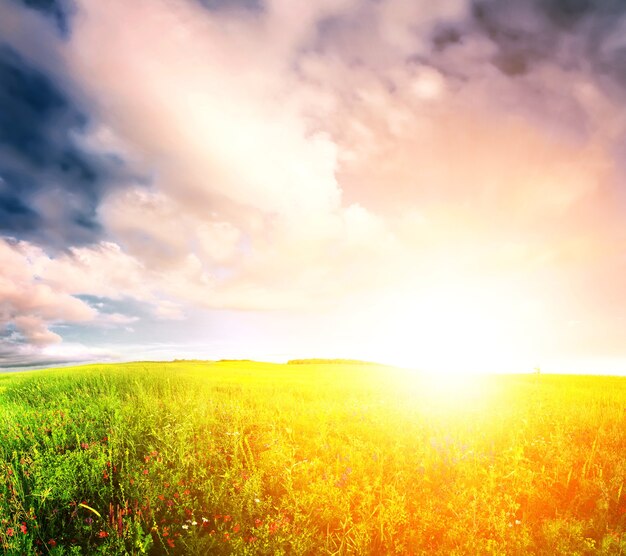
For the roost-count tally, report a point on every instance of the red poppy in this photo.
(103, 534)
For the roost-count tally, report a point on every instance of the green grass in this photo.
(250, 458)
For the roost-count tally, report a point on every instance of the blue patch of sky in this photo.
(209, 334)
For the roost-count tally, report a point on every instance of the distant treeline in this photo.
(329, 362)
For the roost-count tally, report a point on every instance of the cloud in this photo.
(580, 35)
(28, 307)
(58, 11)
(50, 186)
(22, 355)
(23, 295)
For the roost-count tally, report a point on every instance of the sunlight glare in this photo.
(459, 329)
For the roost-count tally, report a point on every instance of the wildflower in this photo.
(236, 528)
(88, 520)
(185, 526)
(171, 543)
(10, 531)
(205, 520)
(194, 523)
(227, 518)
(52, 543)
(23, 528)
(226, 537)
(258, 522)
(252, 538)
(145, 471)
(103, 534)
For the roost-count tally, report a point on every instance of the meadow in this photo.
(342, 458)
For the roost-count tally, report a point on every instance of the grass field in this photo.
(251, 458)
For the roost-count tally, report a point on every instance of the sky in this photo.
(440, 185)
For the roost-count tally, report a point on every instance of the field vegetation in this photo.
(251, 458)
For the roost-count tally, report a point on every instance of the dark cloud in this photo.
(575, 34)
(17, 357)
(60, 12)
(216, 5)
(49, 186)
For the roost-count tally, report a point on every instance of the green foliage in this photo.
(248, 458)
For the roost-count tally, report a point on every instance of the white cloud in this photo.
(29, 303)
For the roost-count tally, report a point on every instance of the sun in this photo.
(460, 329)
